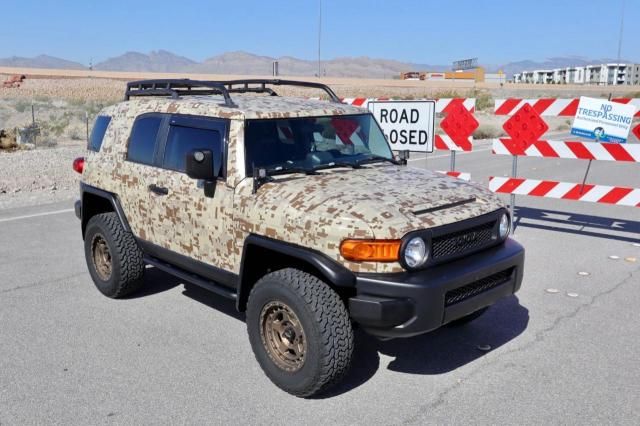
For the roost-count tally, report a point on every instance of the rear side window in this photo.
(142, 143)
(182, 140)
(98, 131)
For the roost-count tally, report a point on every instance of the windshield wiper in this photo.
(337, 164)
(261, 176)
(375, 159)
(283, 170)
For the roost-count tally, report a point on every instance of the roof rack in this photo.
(245, 83)
(184, 87)
(176, 88)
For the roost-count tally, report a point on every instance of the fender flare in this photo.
(331, 271)
(109, 196)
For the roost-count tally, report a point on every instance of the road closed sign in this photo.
(602, 120)
(408, 125)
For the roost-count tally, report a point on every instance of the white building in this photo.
(603, 75)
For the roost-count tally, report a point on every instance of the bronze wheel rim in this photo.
(101, 256)
(283, 336)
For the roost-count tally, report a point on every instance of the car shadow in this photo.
(572, 223)
(155, 281)
(219, 303)
(439, 352)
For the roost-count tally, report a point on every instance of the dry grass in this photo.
(488, 131)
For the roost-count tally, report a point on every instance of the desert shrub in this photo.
(484, 100)
(93, 108)
(76, 135)
(79, 103)
(445, 94)
(486, 131)
(22, 105)
(55, 125)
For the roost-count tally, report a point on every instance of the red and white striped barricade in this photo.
(618, 195)
(526, 127)
(551, 107)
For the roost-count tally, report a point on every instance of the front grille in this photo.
(463, 293)
(461, 242)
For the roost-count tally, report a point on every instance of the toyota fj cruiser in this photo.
(298, 210)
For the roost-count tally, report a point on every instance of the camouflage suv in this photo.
(297, 210)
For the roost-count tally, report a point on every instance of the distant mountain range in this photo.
(248, 63)
(40, 61)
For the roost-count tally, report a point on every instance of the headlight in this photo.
(415, 252)
(505, 226)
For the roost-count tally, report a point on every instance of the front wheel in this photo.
(300, 332)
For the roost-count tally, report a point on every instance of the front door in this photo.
(198, 225)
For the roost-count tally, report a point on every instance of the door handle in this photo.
(159, 190)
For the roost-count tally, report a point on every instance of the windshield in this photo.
(310, 143)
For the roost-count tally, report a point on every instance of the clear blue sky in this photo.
(432, 32)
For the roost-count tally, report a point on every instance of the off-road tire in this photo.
(127, 267)
(467, 319)
(326, 324)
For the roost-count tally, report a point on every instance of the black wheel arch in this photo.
(96, 201)
(261, 255)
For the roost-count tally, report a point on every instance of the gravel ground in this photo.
(38, 176)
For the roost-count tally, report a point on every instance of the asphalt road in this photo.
(176, 354)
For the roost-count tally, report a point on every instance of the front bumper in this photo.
(409, 303)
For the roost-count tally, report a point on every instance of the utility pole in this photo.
(319, 38)
(621, 30)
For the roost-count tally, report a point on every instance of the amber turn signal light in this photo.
(370, 250)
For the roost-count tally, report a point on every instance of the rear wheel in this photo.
(300, 332)
(113, 256)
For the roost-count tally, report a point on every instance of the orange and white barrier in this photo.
(551, 107)
(526, 127)
(571, 149)
(566, 191)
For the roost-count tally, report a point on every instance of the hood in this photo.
(380, 201)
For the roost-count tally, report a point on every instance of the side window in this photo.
(142, 142)
(182, 140)
(98, 131)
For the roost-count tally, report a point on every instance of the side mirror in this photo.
(200, 165)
